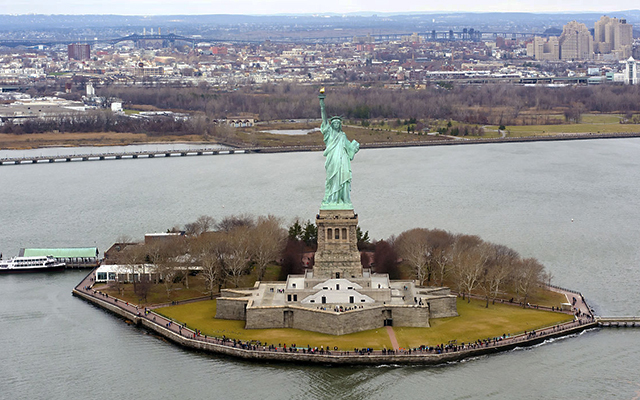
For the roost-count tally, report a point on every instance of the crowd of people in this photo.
(581, 317)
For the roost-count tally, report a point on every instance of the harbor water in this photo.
(573, 205)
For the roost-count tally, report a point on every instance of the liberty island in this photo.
(337, 296)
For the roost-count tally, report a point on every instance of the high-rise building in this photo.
(613, 36)
(541, 49)
(576, 42)
(79, 52)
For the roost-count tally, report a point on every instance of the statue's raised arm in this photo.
(339, 153)
(323, 113)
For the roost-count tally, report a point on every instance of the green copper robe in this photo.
(339, 153)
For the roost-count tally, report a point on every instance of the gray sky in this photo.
(155, 7)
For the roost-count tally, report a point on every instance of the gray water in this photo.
(573, 205)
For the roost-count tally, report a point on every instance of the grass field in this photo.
(590, 123)
(36, 140)
(475, 322)
(200, 315)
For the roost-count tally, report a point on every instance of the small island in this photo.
(322, 292)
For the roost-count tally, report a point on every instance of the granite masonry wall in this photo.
(333, 323)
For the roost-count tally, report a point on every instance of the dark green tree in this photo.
(310, 234)
(295, 231)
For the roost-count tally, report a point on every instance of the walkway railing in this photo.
(192, 337)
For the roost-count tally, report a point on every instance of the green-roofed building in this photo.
(78, 257)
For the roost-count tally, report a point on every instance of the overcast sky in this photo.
(164, 7)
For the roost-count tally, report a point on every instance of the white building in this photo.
(631, 72)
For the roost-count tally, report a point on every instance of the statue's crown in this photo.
(337, 117)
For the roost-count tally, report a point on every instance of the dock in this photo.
(618, 322)
(117, 156)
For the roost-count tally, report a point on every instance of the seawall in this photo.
(189, 339)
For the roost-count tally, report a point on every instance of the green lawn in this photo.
(591, 123)
(475, 322)
(200, 315)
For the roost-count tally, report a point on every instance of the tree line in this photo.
(498, 104)
(487, 104)
(471, 264)
(224, 252)
(107, 121)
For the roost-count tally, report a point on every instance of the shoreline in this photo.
(233, 149)
(187, 338)
(418, 143)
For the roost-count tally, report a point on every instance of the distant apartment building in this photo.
(576, 42)
(613, 37)
(544, 49)
(147, 71)
(79, 52)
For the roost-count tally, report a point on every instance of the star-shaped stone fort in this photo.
(337, 296)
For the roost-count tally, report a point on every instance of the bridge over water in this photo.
(45, 159)
(171, 38)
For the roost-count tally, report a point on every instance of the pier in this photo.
(618, 322)
(41, 159)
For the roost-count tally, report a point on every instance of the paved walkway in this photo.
(392, 337)
(581, 311)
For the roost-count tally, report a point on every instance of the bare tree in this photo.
(498, 270)
(440, 252)
(207, 250)
(528, 277)
(143, 288)
(202, 224)
(234, 221)
(237, 261)
(163, 257)
(413, 247)
(267, 240)
(469, 258)
(132, 257)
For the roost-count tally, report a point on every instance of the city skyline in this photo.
(273, 7)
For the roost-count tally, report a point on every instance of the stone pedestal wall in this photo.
(337, 255)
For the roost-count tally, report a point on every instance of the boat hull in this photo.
(30, 270)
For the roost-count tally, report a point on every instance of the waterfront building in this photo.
(79, 257)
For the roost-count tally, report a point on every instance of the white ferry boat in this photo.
(30, 264)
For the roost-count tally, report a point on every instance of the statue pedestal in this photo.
(337, 255)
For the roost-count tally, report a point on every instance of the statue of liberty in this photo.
(339, 153)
